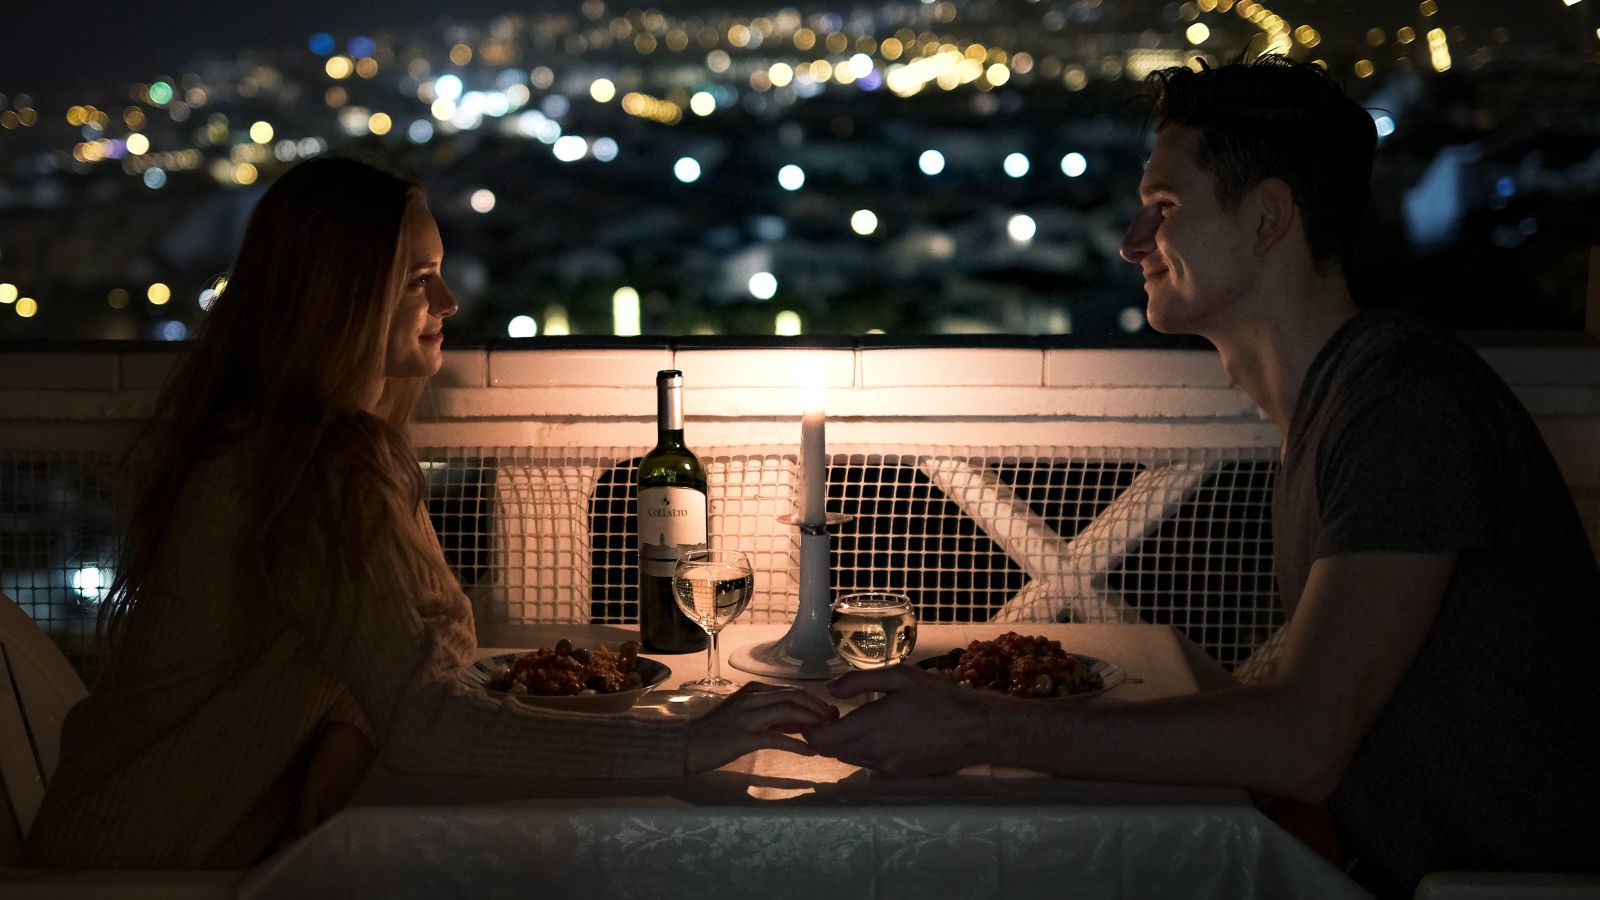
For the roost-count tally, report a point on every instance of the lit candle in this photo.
(813, 463)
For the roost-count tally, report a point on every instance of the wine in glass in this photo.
(871, 631)
(712, 588)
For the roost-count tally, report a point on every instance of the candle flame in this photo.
(816, 395)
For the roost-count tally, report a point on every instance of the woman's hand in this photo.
(337, 766)
(925, 724)
(755, 718)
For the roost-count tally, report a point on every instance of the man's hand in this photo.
(925, 724)
(337, 766)
(755, 718)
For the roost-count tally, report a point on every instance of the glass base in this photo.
(720, 687)
(790, 659)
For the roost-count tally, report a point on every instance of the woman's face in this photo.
(416, 335)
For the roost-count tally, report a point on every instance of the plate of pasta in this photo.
(597, 679)
(1027, 667)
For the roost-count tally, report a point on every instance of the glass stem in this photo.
(713, 660)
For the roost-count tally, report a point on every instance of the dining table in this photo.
(775, 824)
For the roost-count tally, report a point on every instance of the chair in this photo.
(37, 687)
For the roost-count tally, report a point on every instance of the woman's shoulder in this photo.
(351, 461)
(363, 439)
(361, 454)
(355, 442)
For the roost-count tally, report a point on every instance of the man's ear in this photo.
(1272, 204)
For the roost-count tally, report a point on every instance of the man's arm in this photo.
(1359, 624)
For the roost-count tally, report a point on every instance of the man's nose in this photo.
(1139, 239)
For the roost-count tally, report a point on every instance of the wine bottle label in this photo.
(672, 520)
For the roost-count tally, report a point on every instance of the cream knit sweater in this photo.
(191, 751)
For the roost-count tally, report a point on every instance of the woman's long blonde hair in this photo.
(283, 373)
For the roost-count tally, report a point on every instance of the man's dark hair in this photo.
(1276, 118)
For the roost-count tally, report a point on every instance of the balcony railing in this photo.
(1003, 484)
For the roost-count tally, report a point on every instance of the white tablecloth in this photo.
(775, 825)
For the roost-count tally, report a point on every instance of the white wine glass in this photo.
(712, 588)
(873, 630)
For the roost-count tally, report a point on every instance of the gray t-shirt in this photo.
(1487, 755)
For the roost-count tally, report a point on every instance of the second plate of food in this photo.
(1034, 668)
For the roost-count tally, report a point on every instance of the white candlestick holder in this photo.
(806, 651)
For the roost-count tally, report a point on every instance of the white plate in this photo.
(1110, 675)
(481, 672)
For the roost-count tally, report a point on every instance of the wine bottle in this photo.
(672, 521)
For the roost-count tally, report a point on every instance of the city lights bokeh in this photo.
(917, 165)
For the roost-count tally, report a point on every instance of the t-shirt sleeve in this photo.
(1407, 467)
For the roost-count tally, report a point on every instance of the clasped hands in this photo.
(923, 724)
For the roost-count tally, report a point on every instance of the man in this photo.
(1434, 691)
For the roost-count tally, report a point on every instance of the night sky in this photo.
(53, 48)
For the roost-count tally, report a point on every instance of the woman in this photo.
(283, 601)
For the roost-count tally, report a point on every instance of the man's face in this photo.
(1194, 252)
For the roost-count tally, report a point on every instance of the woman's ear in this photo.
(1272, 204)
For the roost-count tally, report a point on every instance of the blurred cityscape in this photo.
(909, 167)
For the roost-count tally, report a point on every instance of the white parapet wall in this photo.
(973, 396)
(550, 428)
